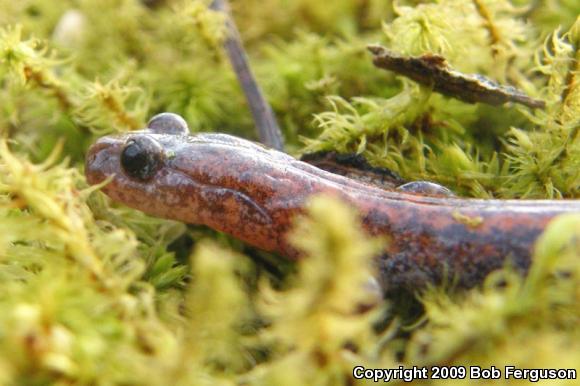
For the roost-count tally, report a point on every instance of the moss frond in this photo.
(30, 63)
(104, 107)
(545, 161)
(92, 292)
(321, 315)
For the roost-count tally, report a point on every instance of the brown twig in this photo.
(433, 71)
(268, 129)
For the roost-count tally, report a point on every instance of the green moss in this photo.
(95, 293)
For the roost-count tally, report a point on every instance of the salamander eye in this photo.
(141, 158)
(168, 123)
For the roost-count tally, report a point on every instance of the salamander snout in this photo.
(102, 160)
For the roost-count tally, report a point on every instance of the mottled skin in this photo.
(253, 193)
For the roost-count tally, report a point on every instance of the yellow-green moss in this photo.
(95, 293)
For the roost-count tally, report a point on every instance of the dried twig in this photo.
(434, 71)
(264, 117)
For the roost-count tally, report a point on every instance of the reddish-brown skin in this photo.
(253, 193)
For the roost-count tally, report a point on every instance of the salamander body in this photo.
(253, 193)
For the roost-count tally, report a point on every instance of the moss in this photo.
(95, 293)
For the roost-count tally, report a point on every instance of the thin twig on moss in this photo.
(266, 123)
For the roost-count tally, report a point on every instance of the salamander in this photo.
(253, 193)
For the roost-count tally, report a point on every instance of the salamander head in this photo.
(165, 172)
(139, 165)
